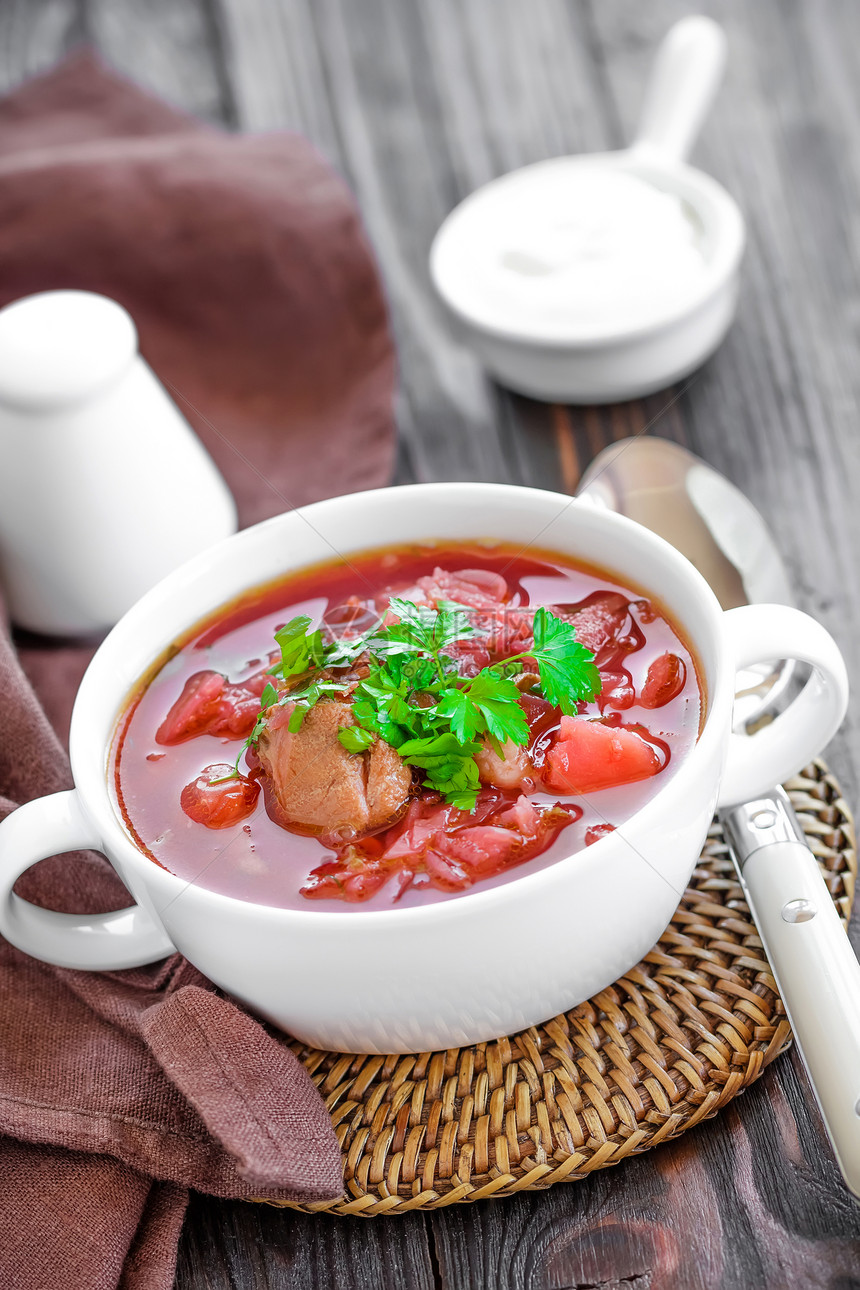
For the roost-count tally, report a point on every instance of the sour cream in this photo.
(576, 252)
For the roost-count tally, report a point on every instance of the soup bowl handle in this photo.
(97, 942)
(756, 633)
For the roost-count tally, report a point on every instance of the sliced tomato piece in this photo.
(195, 709)
(211, 705)
(218, 797)
(664, 682)
(589, 755)
(237, 712)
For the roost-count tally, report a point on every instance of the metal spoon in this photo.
(671, 492)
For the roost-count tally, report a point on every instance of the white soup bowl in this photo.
(488, 963)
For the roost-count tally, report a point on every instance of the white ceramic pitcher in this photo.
(104, 488)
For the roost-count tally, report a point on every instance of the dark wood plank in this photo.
(172, 48)
(34, 35)
(228, 1246)
(386, 127)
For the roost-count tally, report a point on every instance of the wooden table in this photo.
(418, 102)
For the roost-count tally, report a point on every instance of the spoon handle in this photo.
(812, 960)
(684, 79)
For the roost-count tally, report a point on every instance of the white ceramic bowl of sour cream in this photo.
(601, 277)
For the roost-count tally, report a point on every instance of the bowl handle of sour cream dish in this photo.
(684, 80)
(98, 942)
(756, 633)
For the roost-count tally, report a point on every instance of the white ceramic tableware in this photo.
(811, 957)
(500, 284)
(104, 486)
(488, 963)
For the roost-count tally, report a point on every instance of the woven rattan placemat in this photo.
(666, 1046)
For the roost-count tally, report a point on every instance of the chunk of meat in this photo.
(589, 755)
(322, 789)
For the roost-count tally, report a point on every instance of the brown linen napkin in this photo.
(243, 263)
(241, 259)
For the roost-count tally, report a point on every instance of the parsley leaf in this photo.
(300, 650)
(354, 739)
(466, 720)
(456, 623)
(412, 634)
(566, 667)
(343, 651)
(449, 766)
(498, 701)
(424, 630)
(269, 696)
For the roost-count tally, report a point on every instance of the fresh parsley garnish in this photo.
(355, 739)
(449, 766)
(301, 649)
(413, 695)
(566, 667)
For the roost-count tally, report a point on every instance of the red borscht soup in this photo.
(411, 726)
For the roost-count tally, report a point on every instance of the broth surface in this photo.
(258, 860)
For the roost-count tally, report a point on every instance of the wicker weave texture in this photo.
(665, 1047)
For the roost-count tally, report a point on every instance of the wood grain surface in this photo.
(417, 102)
